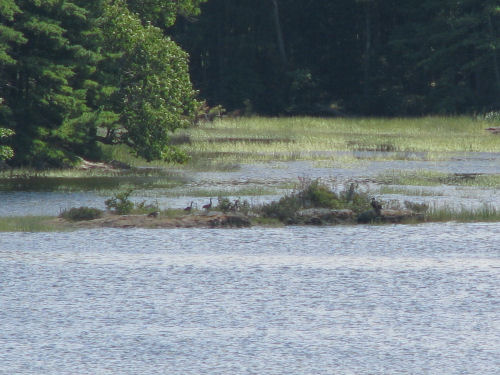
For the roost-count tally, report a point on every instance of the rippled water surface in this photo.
(28, 201)
(408, 299)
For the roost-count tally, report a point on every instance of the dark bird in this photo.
(189, 208)
(376, 206)
(350, 193)
(154, 214)
(208, 206)
(235, 206)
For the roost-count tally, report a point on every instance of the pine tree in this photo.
(45, 92)
(8, 37)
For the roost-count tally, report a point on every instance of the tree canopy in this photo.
(77, 72)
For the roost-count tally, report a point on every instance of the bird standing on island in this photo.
(376, 206)
(234, 207)
(189, 208)
(208, 206)
(350, 193)
(154, 214)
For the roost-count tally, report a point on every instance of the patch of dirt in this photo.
(208, 220)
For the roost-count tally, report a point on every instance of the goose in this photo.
(189, 208)
(376, 206)
(234, 207)
(350, 193)
(154, 214)
(208, 206)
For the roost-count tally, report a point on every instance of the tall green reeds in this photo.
(287, 135)
(28, 224)
(485, 213)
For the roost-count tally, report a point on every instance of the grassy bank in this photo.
(29, 224)
(224, 143)
(482, 214)
(433, 178)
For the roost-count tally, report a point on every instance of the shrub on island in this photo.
(81, 213)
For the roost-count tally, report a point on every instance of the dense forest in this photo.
(77, 73)
(362, 57)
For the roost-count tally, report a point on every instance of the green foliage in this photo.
(44, 80)
(120, 203)
(224, 204)
(75, 72)
(9, 35)
(28, 224)
(284, 210)
(146, 208)
(416, 207)
(6, 152)
(314, 194)
(152, 92)
(163, 13)
(81, 213)
(492, 116)
(485, 213)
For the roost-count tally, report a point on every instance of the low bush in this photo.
(81, 213)
(314, 194)
(120, 203)
(146, 208)
(417, 207)
(284, 210)
(224, 204)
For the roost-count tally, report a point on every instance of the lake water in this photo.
(26, 200)
(406, 299)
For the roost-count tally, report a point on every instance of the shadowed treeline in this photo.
(371, 57)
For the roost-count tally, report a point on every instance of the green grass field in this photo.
(222, 144)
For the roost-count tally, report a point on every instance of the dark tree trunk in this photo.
(368, 52)
(279, 33)
(494, 54)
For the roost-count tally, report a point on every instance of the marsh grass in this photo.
(485, 213)
(81, 213)
(28, 224)
(234, 192)
(90, 183)
(223, 144)
(435, 135)
(433, 178)
(401, 190)
(314, 194)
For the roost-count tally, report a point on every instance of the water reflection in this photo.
(362, 300)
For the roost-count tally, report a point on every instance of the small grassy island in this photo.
(311, 203)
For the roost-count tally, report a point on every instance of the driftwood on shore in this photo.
(494, 130)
